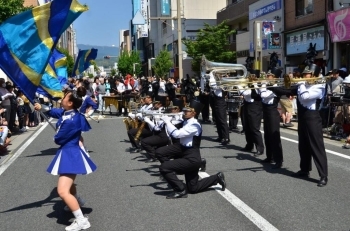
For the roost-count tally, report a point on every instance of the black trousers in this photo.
(327, 115)
(212, 106)
(232, 120)
(272, 135)
(189, 165)
(132, 132)
(221, 118)
(149, 144)
(204, 99)
(252, 114)
(311, 142)
(243, 119)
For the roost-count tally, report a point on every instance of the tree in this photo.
(162, 64)
(70, 60)
(126, 63)
(212, 41)
(113, 72)
(9, 8)
(96, 69)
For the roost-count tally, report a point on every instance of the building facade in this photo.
(305, 24)
(125, 41)
(270, 14)
(163, 33)
(338, 18)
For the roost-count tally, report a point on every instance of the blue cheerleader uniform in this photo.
(70, 158)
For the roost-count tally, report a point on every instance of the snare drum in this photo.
(233, 104)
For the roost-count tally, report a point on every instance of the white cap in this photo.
(343, 69)
(347, 79)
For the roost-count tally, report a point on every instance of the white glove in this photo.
(130, 114)
(147, 120)
(301, 83)
(139, 115)
(165, 118)
(90, 112)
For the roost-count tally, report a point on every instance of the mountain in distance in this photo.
(102, 50)
(101, 53)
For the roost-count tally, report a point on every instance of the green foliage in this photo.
(126, 63)
(91, 75)
(163, 63)
(212, 41)
(8, 8)
(113, 72)
(70, 60)
(93, 62)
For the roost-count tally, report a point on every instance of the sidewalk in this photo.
(17, 140)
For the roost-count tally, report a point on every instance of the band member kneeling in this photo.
(188, 160)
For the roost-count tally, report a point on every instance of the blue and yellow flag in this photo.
(54, 77)
(27, 39)
(83, 61)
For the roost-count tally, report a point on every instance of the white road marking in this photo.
(328, 151)
(7, 164)
(253, 216)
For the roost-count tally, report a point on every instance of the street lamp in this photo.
(134, 67)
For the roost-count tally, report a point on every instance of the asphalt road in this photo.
(125, 193)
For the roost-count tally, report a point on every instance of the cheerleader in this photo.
(87, 108)
(70, 160)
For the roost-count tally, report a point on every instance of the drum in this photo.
(336, 100)
(233, 104)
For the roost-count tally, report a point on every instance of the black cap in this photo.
(194, 106)
(179, 102)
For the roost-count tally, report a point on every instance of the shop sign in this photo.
(264, 45)
(265, 10)
(144, 12)
(339, 25)
(299, 42)
(165, 6)
(240, 54)
(275, 41)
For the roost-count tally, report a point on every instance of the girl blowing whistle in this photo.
(70, 160)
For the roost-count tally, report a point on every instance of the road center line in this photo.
(328, 151)
(7, 164)
(253, 216)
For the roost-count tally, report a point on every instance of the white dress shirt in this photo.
(247, 94)
(267, 96)
(190, 128)
(121, 87)
(308, 94)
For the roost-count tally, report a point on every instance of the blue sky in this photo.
(100, 25)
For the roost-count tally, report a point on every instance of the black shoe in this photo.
(221, 180)
(242, 132)
(225, 141)
(301, 174)
(218, 139)
(177, 195)
(267, 160)
(136, 150)
(323, 181)
(204, 165)
(277, 165)
(258, 153)
(246, 149)
(152, 160)
(131, 149)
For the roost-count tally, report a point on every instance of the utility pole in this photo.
(179, 38)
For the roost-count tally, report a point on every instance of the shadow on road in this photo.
(47, 152)
(265, 167)
(155, 185)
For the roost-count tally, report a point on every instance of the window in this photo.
(303, 7)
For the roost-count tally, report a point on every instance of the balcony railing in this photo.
(236, 10)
